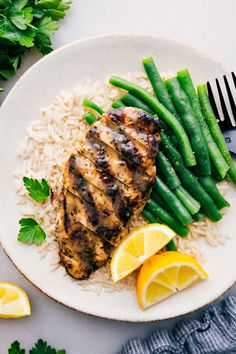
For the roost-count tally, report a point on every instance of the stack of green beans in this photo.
(190, 138)
(193, 150)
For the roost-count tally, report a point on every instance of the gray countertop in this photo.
(208, 26)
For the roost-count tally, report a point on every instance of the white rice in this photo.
(47, 143)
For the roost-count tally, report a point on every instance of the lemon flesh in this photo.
(165, 274)
(139, 245)
(14, 302)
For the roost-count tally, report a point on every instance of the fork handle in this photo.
(230, 139)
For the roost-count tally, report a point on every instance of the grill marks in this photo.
(79, 210)
(81, 251)
(140, 125)
(106, 181)
(100, 189)
(130, 149)
(75, 182)
(110, 161)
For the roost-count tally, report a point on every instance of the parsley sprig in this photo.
(30, 232)
(15, 348)
(40, 347)
(38, 191)
(25, 24)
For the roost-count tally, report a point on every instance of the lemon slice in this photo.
(139, 245)
(14, 302)
(165, 274)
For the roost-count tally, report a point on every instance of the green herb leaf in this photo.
(55, 14)
(14, 62)
(15, 348)
(22, 19)
(38, 191)
(7, 73)
(10, 61)
(31, 232)
(42, 347)
(47, 26)
(25, 24)
(5, 3)
(19, 4)
(43, 44)
(13, 34)
(47, 4)
(64, 5)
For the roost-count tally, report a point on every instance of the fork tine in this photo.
(213, 102)
(234, 78)
(223, 105)
(231, 99)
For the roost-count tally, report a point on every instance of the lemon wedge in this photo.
(14, 302)
(165, 274)
(139, 245)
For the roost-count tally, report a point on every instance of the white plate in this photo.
(97, 58)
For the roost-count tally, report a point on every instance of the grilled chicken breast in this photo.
(106, 182)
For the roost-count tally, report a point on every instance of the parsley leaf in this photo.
(47, 4)
(9, 31)
(10, 60)
(25, 24)
(43, 44)
(47, 26)
(22, 19)
(5, 3)
(19, 4)
(31, 232)
(38, 191)
(15, 348)
(42, 347)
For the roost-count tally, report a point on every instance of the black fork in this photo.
(222, 94)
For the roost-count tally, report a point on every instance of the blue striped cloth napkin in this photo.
(216, 333)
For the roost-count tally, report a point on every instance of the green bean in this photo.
(169, 132)
(167, 170)
(161, 93)
(189, 180)
(215, 130)
(131, 100)
(187, 200)
(216, 157)
(160, 201)
(94, 106)
(169, 118)
(171, 246)
(211, 188)
(215, 174)
(198, 216)
(167, 218)
(90, 118)
(191, 124)
(172, 201)
(149, 216)
(158, 85)
(118, 104)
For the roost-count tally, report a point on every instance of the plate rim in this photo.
(15, 86)
(104, 35)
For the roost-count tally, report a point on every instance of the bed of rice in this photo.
(49, 140)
